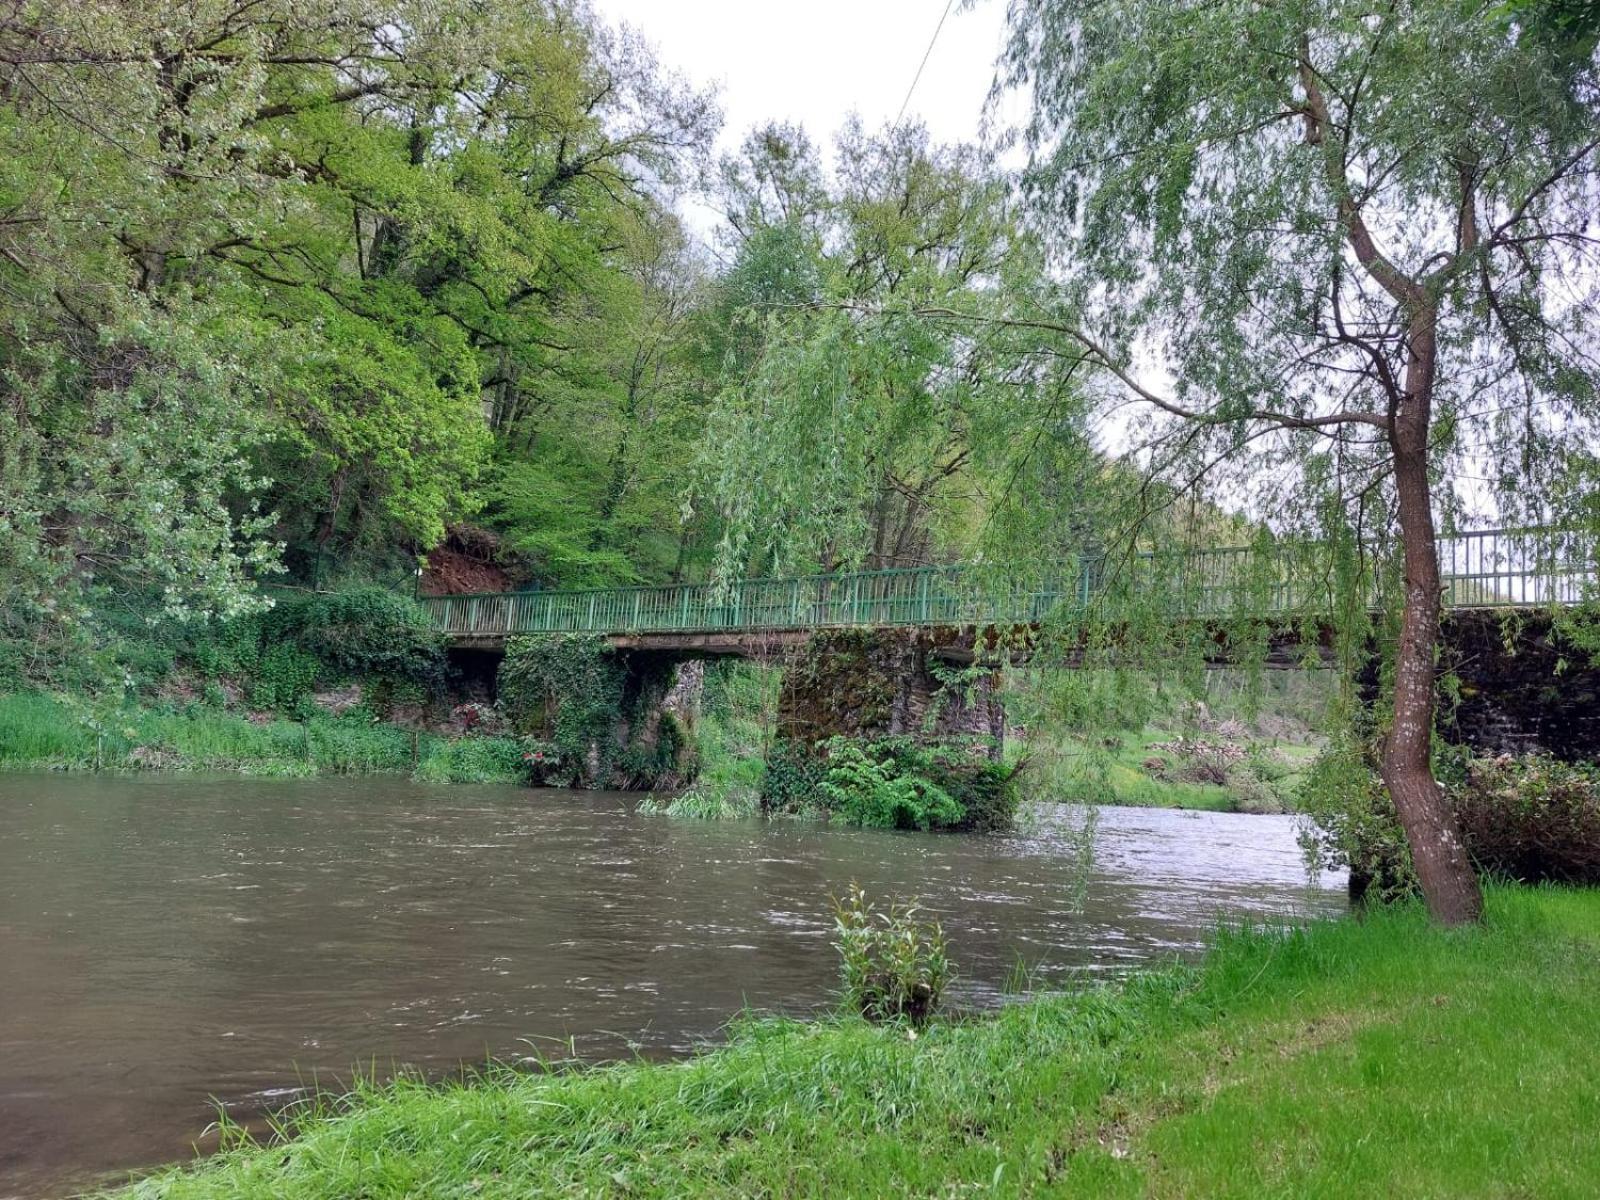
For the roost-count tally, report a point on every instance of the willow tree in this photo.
(851, 427)
(1358, 239)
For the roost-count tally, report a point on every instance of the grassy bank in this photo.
(1375, 1058)
(42, 732)
(1145, 769)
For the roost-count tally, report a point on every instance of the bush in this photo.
(791, 783)
(1203, 760)
(1351, 824)
(891, 964)
(284, 675)
(1532, 819)
(904, 783)
(281, 656)
(874, 790)
(1535, 819)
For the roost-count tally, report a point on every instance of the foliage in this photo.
(669, 759)
(735, 712)
(1250, 773)
(907, 783)
(283, 677)
(281, 281)
(892, 964)
(1203, 760)
(1263, 1072)
(362, 633)
(593, 718)
(305, 641)
(791, 781)
(1229, 224)
(1351, 824)
(1531, 819)
(1358, 241)
(850, 426)
(702, 802)
(568, 688)
(473, 759)
(874, 790)
(39, 731)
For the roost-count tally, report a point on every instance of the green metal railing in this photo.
(1492, 568)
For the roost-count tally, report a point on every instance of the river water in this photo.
(168, 943)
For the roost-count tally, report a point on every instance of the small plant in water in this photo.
(892, 964)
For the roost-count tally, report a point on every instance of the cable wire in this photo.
(926, 54)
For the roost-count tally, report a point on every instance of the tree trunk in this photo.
(1449, 884)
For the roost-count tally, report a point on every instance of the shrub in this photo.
(282, 655)
(1351, 824)
(873, 789)
(791, 783)
(362, 633)
(1202, 760)
(1532, 819)
(904, 783)
(892, 964)
(283, 676)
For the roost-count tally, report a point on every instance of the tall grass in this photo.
(39, 731)
(705, 803)
(731, 740)
(36, 730)
(1381, 1058)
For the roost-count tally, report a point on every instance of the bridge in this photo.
(1499, 568)
(867, 651)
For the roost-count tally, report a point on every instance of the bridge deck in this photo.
(1488, 569)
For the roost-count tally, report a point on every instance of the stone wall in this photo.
(887, 682)
(1521, 689)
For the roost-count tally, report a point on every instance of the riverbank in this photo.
(45, 732)
(1163, 768)
(1368, 1058)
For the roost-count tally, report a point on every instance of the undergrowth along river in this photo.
(42, 732)
(1267, 1070)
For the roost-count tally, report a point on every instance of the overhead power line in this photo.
(926, 54)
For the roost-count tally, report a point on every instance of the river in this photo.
(169, 940)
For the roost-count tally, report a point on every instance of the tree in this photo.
(851, 428)
(1361, 241)
(352, 248)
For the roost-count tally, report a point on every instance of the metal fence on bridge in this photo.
(1487, 569)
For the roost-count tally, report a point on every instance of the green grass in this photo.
(730, 739)
(702, 803)
(1113, 772)
(1383, 1057)
(47, 732)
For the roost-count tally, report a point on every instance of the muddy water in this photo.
(166, 941)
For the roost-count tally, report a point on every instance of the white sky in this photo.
(815, 63)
